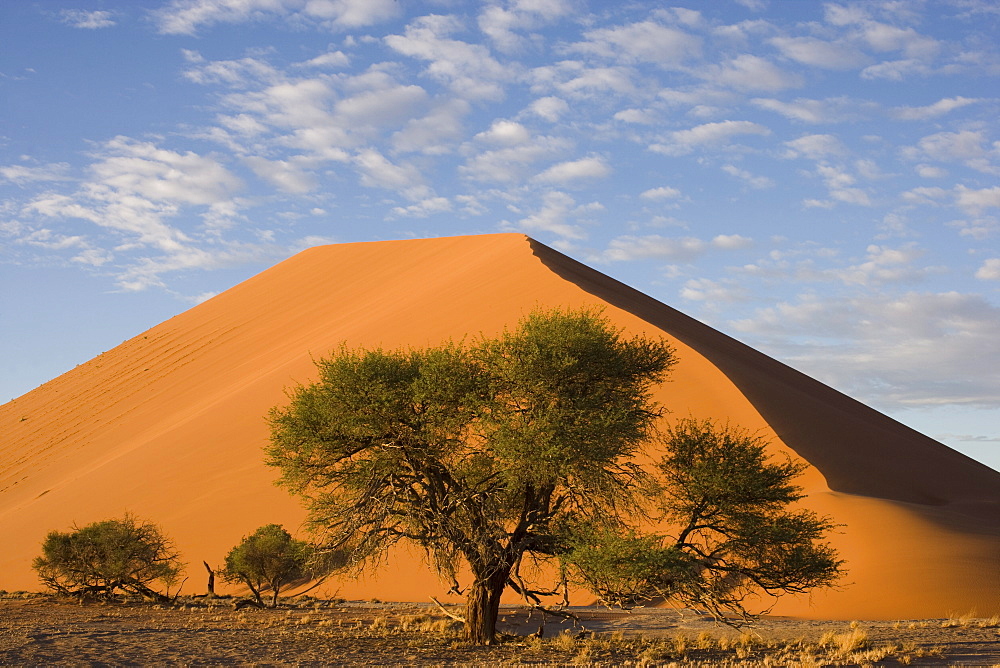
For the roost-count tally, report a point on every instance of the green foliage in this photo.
(526, 446)
(269, 558)
(105, 557)
(736, 534)
(474, 452)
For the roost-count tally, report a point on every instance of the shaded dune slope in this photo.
(169, 425)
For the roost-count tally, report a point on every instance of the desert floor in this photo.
(41, 630)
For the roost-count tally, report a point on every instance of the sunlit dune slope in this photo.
(170, 424)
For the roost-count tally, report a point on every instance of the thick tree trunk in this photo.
(482, 606)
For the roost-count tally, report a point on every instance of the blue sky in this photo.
(819, 180)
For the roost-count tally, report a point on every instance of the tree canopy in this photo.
(524, 445)
(269, 558)
(104, 557)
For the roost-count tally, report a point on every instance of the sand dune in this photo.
(169, 425)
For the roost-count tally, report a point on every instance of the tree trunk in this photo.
(211, 580)
(275, 588)
(482, 606)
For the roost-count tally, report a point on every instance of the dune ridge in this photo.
(169, 424)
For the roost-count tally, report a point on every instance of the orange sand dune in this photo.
(169, 425)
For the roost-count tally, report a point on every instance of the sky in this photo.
(819, 180)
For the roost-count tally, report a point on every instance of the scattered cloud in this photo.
(423, 208)
(835, 110)
(990, 271)
(939, 108)
(88, 20)
(550, 108)
(575, 171)
(645, 41)
(750, 73)
(815, 147)
(555, 216)
(820, 53)
(968, 147)
(756, 181)
(25, 174)
(663, 192)
(674, 249)
(468, 69)
(976, 201)
(377, 171)
(683, 142)
(187, 17)
(914, 349)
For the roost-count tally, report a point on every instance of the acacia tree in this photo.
(476, 453)
(269, 558)
(104, 557)
(523, 445)
(735, 531)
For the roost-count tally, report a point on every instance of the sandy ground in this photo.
(46, 631)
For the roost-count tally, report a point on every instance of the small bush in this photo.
(105, 557)
(269, 558)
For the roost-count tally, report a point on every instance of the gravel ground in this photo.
(39, 630)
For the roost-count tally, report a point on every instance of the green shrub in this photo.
(105, 557)
(269, 558)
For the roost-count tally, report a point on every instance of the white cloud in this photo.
(575, 79)
(379, 172)
(235, 73)
(968, 147)
(90, 20)
(990, 270)
(584, 169)
(135, 191)
(906, 350)
(186, 17)
(646, 41)
(331, 59)
(511, 164)
(130, 167)
(436, 132)
(682, 142)
(713, 291)
(674, 249)
(554, 215)
(501, 24)
(93, 257)
(467, 68)
(975, 201)
(883, 37)
(925, 195)
(750, 73)
(883, 266)
(840, 185)
(939, 108)
(753, 180)
(423, 208)
(820, 53)
(22, 174)
(834, 110)
(290, 176)
(931, 171)
(381, 106)
(640, 116)
(815, 147)
(663, 192)
(505, 133)
(550, 108)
